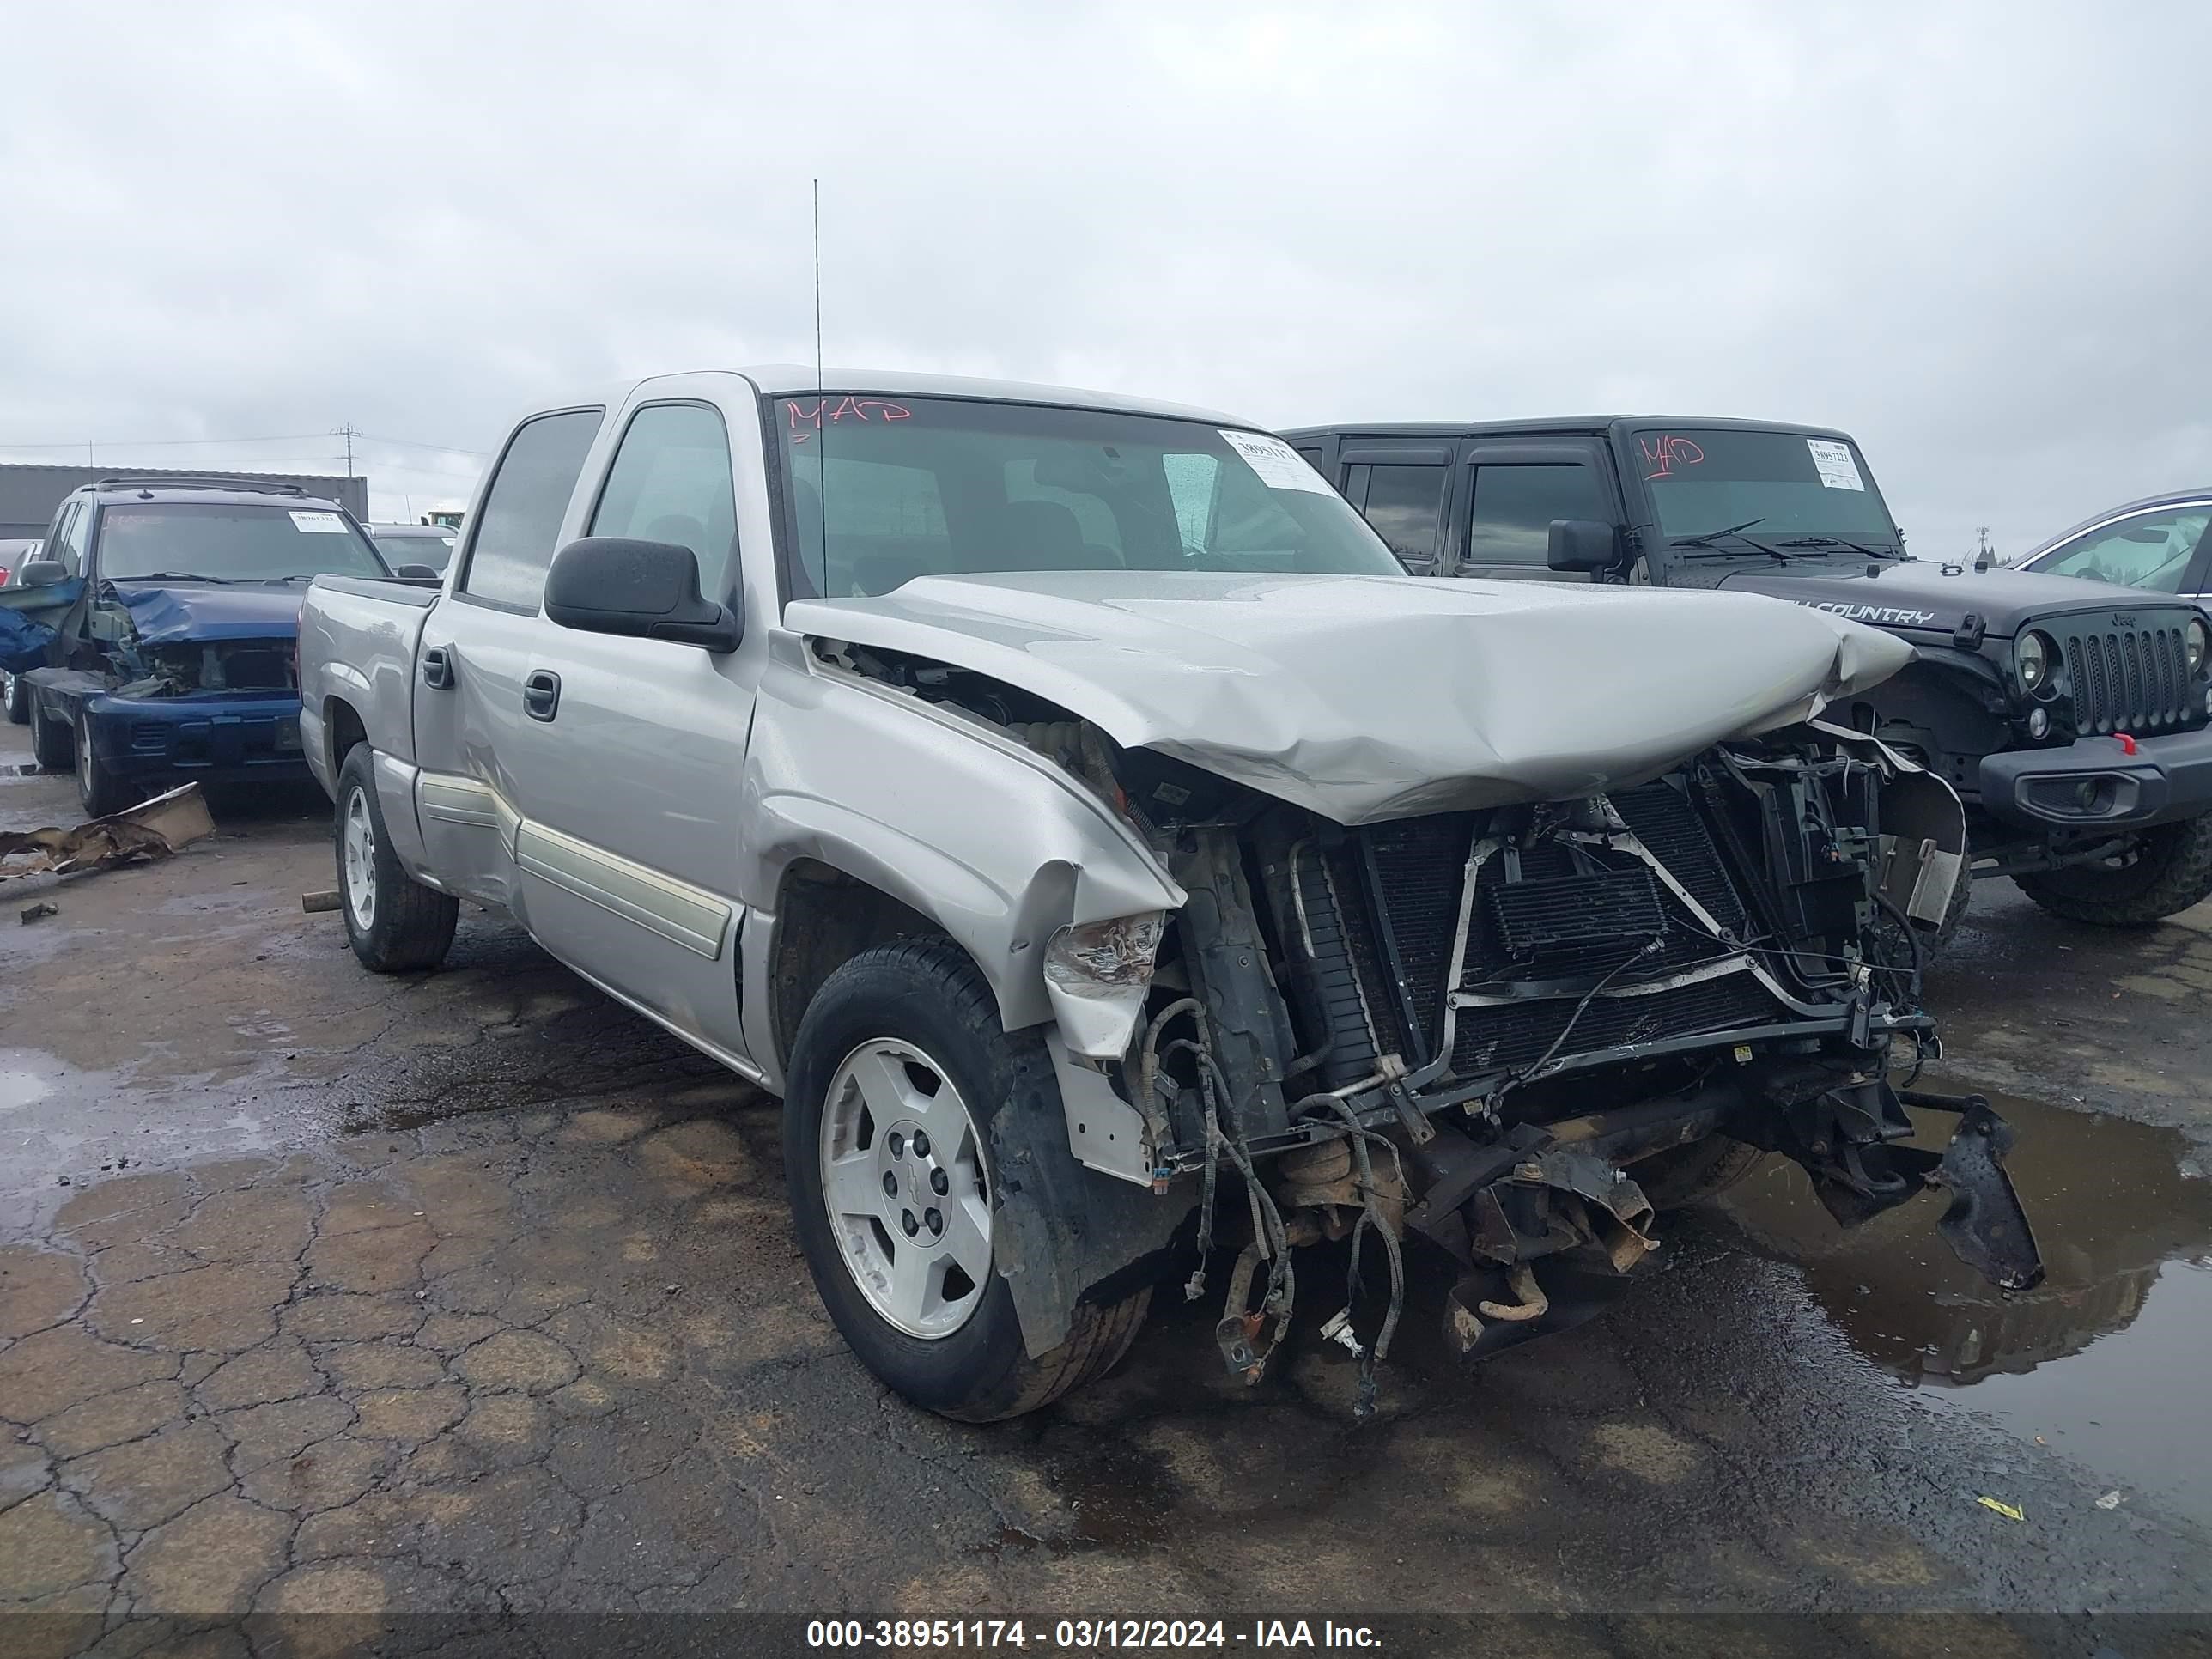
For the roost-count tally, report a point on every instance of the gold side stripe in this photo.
(680, 913)
(677, 911)
(458, 800)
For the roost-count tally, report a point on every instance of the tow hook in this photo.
(1985, 1226)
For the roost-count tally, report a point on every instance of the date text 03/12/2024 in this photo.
(1083, 1635)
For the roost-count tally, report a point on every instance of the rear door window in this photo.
(1405, 505)
(512, 545)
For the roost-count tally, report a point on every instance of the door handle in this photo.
(438, 667)
(541, 694)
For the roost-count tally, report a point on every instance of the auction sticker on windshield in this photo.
(319, 524)
(1280, 466)
(1834, 462)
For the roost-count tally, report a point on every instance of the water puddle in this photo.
(19, 1084)
(2106, 1360)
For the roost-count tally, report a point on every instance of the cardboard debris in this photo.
(151, 830)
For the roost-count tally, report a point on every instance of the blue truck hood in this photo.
(191, 613)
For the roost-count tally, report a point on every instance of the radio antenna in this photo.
(821, 426)
(818, 288)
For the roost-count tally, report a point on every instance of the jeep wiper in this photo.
(1711, 537)
(1832, 541)
(171, 576)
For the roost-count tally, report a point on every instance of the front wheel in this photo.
(99, 791)
(2168, 869)
(53, 742)
(394, 923)
(900, 1066)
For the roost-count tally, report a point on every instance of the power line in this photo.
(280, 438)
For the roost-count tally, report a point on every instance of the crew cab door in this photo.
(628, 758)
(474, 650)
(1403, 490)
(1513, 490)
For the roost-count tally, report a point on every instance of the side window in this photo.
(1405, 505)
(2152, 550)
(1514, 505)
(1355, 485)
(66, 547)
(671, 482)
(513, 543)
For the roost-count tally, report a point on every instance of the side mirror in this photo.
(42, 573)
(642, 590)
(1581, 544)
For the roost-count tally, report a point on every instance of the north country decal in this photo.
(1894, 615)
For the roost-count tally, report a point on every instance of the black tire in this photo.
(1689, 1174)
(408, 926)
(19, 701)
(927, 993)
(53, 742)
(99, 791)
(2170, 870)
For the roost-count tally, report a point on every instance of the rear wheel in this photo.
(394, 922)
(2168, 869)
(900, 1066)
(19, 700)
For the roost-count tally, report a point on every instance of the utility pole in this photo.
(346, 432)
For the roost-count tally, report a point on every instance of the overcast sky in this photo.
(1976, 238)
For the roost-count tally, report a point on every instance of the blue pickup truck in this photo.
(155, 641)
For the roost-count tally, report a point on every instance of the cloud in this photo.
(1972, 235)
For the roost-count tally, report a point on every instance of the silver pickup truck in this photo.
(1073, 810)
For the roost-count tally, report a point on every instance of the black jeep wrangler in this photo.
(2070, 716)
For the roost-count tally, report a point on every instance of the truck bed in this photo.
(358, 640)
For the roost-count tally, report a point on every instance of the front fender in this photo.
(991, 841)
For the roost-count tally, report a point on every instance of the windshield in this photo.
(937, 486)
(433, 552)
(222, 542)
(1703, 481)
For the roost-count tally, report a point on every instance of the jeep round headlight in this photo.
(2194, 639)
(2031, 660)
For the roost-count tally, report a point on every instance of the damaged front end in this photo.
(1513, 1031)
(1490, 1030)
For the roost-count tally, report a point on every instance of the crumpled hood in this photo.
(1924, 597)
(1365, 698)
(189, 613)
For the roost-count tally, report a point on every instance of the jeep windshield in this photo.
(1808, 496)
(220, 541)
(881, 491)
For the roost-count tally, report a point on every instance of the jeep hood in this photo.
(1365, 698)
(1925, 597)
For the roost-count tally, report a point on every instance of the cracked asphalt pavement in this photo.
(474, 1293)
